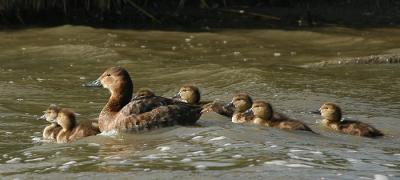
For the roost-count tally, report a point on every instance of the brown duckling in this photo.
(264, 115)
(70, 129)
(332, 115)
(51, 131)
(242, 100)
(121, 114)
(190, 94)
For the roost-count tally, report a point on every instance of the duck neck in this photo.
(120, 97)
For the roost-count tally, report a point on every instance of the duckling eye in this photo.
(108, 74)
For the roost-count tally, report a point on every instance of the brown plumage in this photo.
(332, 114)
(144, 113)
(239, 104)
(66, 128)
(264, 115)
(51, 131)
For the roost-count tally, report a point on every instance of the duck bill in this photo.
(316, 112)
(43, 117)
(249, 112)
(95, 83)
(177, 96)
(229, 105)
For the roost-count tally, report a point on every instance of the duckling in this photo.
(332, 114)
(70, 130)
(143, 93)
(243, 101)
(236, 109)
(51, 131)
(264, 115)
(121, 114)
(190, 94)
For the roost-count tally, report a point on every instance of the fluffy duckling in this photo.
(70, 129)
(235, 109)
(143, 93)
(332, 115)
(51, 131)
(190, 94)
(264, 115)
(121, 114)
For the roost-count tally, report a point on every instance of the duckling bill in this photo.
(332, 115)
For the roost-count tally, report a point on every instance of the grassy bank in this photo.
(200, 13)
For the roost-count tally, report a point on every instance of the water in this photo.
(43, 66)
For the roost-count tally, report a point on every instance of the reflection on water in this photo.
(43, 66)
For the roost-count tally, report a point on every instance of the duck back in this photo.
(359, 129)
(169, 115)
(145, 104)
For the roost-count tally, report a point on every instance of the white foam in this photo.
(296, 150)
(275, 162)
(93, 144)
(201, 166)
(93, 157)
(36, 159)
(69, 163)
(163, 148)
(146, 169)
(298, 166)
(197, 137)
(227, 144)
(185, 160)
(218, 138)
(111, 133)
(219, 150)
(151, 157)
(14, 160)
(198, 153)
(380, 177)
(237, 156)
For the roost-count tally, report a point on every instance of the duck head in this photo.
(241, 102)
(51, 113)
(66, 119)
(189, 94)
(119, 83)
(262, 110)
(143, 92)
(330, 112)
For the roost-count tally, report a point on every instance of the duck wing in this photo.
(169, 115)
(145, 104)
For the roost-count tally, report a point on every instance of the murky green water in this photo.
(43, 66)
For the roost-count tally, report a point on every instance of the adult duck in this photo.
(120, 113)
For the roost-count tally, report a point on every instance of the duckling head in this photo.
(66, 119)
(144, 92)
(189, 94)
(51, 113)
(262, 110)
(241, 102)
(331, 112)
(114, 79)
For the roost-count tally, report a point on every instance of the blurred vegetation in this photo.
(199, 13)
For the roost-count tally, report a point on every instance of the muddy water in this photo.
(43, 66)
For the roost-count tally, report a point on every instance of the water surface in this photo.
(48, 65)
